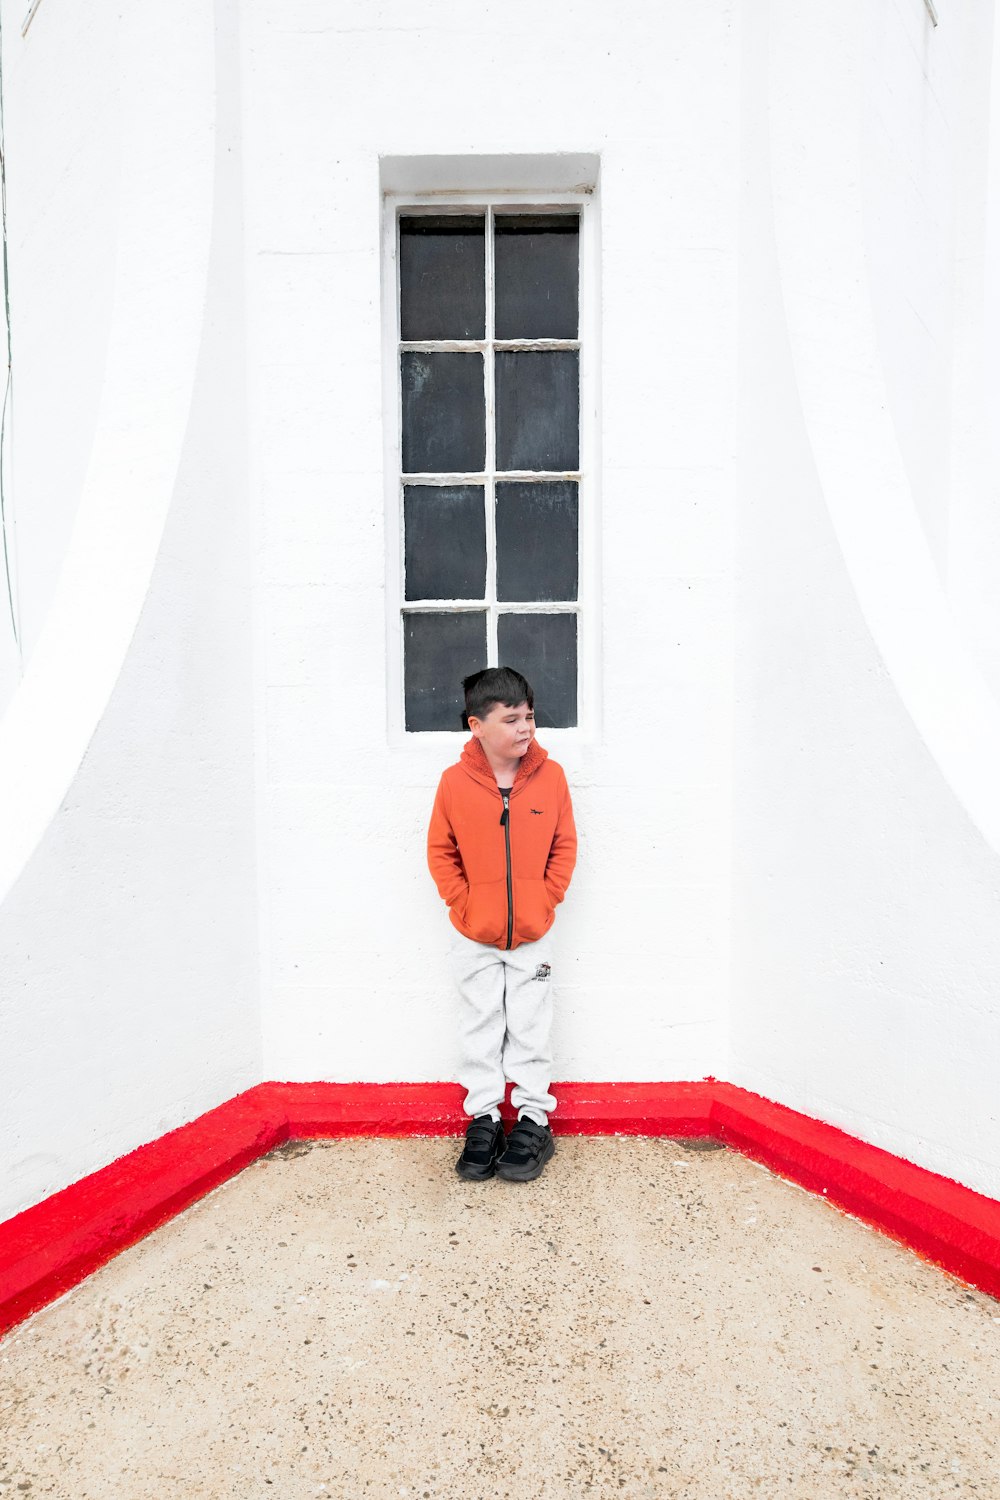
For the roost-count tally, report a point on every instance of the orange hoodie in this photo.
(502, 869)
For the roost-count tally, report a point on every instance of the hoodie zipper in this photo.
(505, 825)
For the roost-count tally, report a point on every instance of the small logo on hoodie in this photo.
(536, 812)
(543, 972)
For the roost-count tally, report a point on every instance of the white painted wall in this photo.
(128, 955)
(867, 887)
(355, 983)
(974, 520)
(64, 187)
(212, 863)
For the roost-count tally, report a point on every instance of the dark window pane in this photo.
(445, 541)
(442, 278)
(537, 260)
(439, 650)
(543, 647)
(538, 409)
(444, 413)
(537, 540)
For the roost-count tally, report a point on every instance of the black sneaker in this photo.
(529, 1147)
(484, 1141)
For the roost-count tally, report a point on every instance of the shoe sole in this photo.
(475, 1174)
(528, 1174)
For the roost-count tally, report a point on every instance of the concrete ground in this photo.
(350, 1319)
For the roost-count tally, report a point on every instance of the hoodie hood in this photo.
(473, 760)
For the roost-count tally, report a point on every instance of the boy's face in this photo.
(505, 733)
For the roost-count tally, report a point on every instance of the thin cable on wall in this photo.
(8, 386)
(30, 16)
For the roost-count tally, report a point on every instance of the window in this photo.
(488, 460)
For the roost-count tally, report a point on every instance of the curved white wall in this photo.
(127, 932)
(867, 949)
(974, 520)
(64, 174)
(908, 81)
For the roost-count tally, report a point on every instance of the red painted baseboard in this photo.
(342, 1109)
(49, 1248)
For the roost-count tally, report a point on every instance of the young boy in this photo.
(501, 848)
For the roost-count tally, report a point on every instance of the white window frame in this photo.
(586, 606)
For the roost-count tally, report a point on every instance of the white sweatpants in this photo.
(505, 1016)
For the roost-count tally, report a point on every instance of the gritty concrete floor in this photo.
(350, 1319)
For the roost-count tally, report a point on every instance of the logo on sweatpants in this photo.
(543, 971)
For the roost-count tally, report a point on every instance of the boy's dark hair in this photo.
(494, 685)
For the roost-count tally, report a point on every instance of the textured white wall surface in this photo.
(789, 866)
(355, 983)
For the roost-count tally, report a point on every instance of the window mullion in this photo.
(489, 488)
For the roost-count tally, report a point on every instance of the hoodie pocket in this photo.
(533, 910)
(485, 914)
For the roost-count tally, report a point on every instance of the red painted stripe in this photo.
(49, 1248)
(346, 1109)
(329, 1110)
